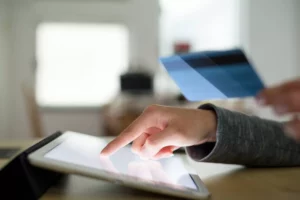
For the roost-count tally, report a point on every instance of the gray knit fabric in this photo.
(247, 140)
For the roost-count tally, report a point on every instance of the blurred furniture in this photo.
(136, 93)
(136, 83)
(223, 181)
(125, 109)
(33, 112)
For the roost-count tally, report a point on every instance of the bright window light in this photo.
(205, 24)
(79, 64)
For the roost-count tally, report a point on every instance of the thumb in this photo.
(156, 142)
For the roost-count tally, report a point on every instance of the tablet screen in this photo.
(85, 151)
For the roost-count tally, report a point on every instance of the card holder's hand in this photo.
(160, 130)
(284, 99)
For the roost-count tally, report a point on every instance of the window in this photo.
(205, 24)
(79, 64)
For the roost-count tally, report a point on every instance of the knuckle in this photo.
(151, 142)
(152, 108)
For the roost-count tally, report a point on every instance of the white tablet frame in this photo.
(38, 159)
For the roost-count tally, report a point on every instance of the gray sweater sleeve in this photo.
(247, 140)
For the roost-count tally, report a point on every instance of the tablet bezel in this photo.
(38, 158)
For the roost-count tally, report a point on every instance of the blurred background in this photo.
(92, 65)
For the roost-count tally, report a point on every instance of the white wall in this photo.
(270, 36)
(81, 120)
(206, 24)
(141, 16)
(296, 13)
(270, 33)
(4, 66)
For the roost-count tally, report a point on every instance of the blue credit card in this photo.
(214, 75)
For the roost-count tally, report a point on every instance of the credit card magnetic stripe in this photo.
(213, 75)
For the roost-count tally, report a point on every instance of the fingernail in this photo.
(261, 101)
(280, 109)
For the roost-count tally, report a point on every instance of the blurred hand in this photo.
(160, 130)
(284, 99)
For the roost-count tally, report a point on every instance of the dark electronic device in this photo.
(20, 180)
(136, 83)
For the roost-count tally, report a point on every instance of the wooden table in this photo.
(223, 181)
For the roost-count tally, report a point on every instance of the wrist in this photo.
(210, 125)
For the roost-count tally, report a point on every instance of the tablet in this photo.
(76, 153)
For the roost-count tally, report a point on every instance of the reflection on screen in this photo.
(85, 150)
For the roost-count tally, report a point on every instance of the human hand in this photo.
(159, 130)
(284, 99)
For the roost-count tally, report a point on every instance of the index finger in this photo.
(134, 130)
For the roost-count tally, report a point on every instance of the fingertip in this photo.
(168, 156)
(133, 150)
(103, 153)
(114, 146)
(145, 152)
(163, 156)
(103, 156)
(107, 151)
